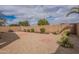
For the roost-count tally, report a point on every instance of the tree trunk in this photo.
(74, 29)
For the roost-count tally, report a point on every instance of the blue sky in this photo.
(9, 17)
(53, 13)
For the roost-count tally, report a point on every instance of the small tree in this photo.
(76, 11)
(43, 22)
(42, 30)
(24, 23)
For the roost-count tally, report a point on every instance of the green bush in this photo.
(64, 42)
(67, 33)
(43, 22)
(42, 30)
(32, 30)
(28, 30)
(24, 23)
(24, 30)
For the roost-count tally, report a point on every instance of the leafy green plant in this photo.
(42, 30)
(64, 42)
(43, 22)
(28, 30)
(24, 23)
(67, 33)
(32, 30)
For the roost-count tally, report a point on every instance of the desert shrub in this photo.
(42, 30)
(10, 30)
(64, 42)
(24, 30)
(67, 33)
(32, 30)
(28, 30)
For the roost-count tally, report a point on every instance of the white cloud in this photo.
(30, 12)
(71, 19)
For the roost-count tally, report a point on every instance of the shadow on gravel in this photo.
(7, 38)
